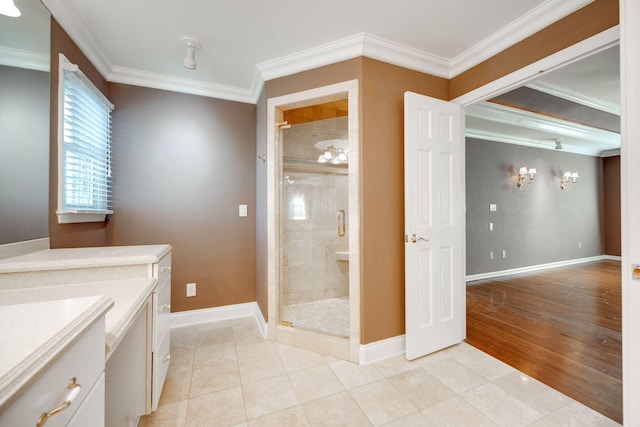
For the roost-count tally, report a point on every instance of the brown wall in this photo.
(182, 164)
(612, 209)
(382, 175)
(68, 235)
(580, 25)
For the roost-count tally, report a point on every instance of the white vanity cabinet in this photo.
(89, 266)
(58, 380)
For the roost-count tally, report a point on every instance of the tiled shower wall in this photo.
(312, 196)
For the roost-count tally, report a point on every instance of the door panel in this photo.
(434, 212)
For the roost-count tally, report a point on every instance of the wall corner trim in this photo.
(381, 350)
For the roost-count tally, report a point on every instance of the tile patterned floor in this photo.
(329, 316)
(226, 374)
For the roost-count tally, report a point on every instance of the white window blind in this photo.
(84, 148)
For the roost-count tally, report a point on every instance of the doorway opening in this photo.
(313, 220)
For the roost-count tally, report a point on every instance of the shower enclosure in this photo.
(314, 232)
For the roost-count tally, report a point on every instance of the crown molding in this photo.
(541, 17)
(534, 143)
(24, 59)
(361, 44)
(575, 97)
(194, 87)
(75, 27)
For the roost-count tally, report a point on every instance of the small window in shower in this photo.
(298, 209)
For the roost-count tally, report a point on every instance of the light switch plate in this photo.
(493, 207)
(242, 210)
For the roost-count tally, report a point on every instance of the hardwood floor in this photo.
(562, 327)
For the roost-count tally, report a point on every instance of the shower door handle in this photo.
(341, 223)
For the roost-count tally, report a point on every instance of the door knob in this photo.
(415, 239)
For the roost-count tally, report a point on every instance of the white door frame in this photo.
(630, 246)
(347, 349)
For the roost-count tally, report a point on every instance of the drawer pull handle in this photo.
(166, 269)
(74, 390)
(167, 357)
(166, 307)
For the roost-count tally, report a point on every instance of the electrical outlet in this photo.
(504, 254)
(191, 289)
(490, 226)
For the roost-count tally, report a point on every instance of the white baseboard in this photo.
(531, 268)
(214, 314)
(381, 350)
(262, 324)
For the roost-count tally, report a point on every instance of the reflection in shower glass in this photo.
(314, 279)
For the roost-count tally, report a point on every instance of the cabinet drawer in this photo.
(162, 270)
(161, 360)
(91, 413)
(84, 361)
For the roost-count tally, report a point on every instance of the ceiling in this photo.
(244, 43)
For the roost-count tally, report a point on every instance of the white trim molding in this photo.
(531, 268)
(215, 314)
(381, 350)
(26, 59)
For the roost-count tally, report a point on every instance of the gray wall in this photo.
(538, 223)
(24, 154)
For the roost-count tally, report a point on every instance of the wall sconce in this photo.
(526, 175)
(334, 156)
(568, 178)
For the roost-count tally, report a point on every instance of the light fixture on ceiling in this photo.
(7, 7)
(190, 57)
(558, 142)
(526, 175)
(568, 178)
(334, 155)
(334, 151)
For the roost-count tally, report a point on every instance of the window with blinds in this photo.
(84, 148)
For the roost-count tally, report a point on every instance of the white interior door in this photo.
(434, 219)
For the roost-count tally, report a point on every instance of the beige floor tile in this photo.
(222, 408)
(293, 417)
(213, 377)
(354, 375)
(540, 397)
(417, 419)
(395, 365)
(422, 389)
(247, 333)
(183, 338)
(500, 407)
(214, 336)
(176, 386)
(481, 363)
(259, 361)
(575, 414)
(456, 412)
(381, 402)
(296, 359)
(336, 410)
(171, 415)
(213, 353)
(454, 375)
(314, 383)
(269, 396)
(181, 360)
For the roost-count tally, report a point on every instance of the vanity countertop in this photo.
(128, 296)
(34, 335)
(62, 259)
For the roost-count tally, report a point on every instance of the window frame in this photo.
(88, 213)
